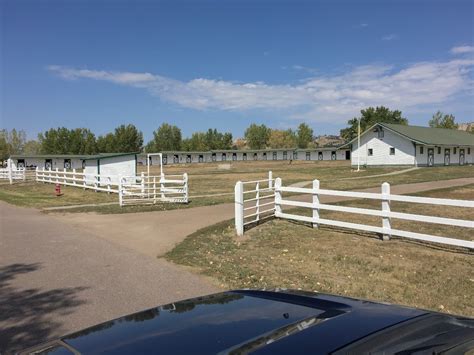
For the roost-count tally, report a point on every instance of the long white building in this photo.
(392, 144)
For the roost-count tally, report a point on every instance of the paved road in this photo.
(55, 278)
(155, 233)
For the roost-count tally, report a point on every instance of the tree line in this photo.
(127, 138)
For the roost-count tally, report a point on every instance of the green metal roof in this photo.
(432, 136)
(70, 156)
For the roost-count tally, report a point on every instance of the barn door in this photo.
(430, 156)
(461, 156)
(447, 157)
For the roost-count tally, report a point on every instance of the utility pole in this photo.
(358, 144)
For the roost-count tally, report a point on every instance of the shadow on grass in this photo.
(353, 232)
(26, 314)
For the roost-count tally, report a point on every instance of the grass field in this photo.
(294, 255)
(210, 185)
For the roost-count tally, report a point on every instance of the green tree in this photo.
(16, 141)
(369, 117)
(166, 137)
(440, 120)
(82, 141)
(106, 143)
(32, 147)
(304, 135)
(128, 139)
(257, 136)
(4, 149)
(281, 139)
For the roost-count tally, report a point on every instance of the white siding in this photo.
(114, 166)
(404, 150)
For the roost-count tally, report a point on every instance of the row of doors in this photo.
(447, 157)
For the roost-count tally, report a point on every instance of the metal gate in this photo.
(148, 190)
(430, 156)
(461, 156)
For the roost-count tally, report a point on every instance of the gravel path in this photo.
(56, 278)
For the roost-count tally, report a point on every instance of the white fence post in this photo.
(120, 191)
(239, 208)
(142, 176)
(257, 201)
(385, 211)
(109, 182)
(10, 176)
(36, 173)
(57, 175)
(74, 176)
(186, 193)
(315, 202)
(154, 189)
(96, 182)
(270, 179)
(277, 197)
(162, 186)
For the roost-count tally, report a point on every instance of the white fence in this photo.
(76, 179)
(146, 189)
(255, 204)
(384, 213)
(12, 174)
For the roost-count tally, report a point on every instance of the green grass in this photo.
(287, 254)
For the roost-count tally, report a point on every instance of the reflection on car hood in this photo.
(253, 321)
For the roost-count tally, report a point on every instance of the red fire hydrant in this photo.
(57, 189)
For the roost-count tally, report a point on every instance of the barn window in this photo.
(468, 150)
(333, 155)
(83, 164)
(439, 150)
(224, 157)
(234, 156)
(164, 159)
(285, 155)
(320, 155)
(264, 156)
(295, 155)
(371, 151)
(201, 158)
(176, 159)
(392, 151)
(454, 150)
(308, 156)
(274, 155)
(421, 150)
(213, 156)
(255, 156)
(20, 163)
(244, 156)
(67, 163)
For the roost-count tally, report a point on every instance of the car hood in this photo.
(242, 321)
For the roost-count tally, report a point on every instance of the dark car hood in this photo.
(242, 321)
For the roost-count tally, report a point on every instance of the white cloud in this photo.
(319, 97)
(390, 37)
(462, 49)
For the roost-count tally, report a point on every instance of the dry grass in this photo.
(208, 179)
(285, 254)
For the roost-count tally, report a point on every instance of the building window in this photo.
(234, 156)
(255, 156)
(295, 155)
(244, 156)
(264, 156)
(439, 150)
(421, 150)
(308, 156)
(67, 164)
(224, 157)
(370, 152)
(274, 155)
(454, 150)
(285, 155)
(320, 155)
(468, 150)
(392, 151)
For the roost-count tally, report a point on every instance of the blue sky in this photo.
(225, 64)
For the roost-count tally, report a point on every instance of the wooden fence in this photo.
(385, 213)
(255, 204)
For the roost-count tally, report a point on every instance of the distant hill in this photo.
(325, 140)
(468, 126)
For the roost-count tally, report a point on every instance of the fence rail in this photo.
(144, 189)
(77, 179)
(385, 212)
(12, 174)
(250, 210)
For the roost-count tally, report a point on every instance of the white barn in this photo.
(393, 144)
